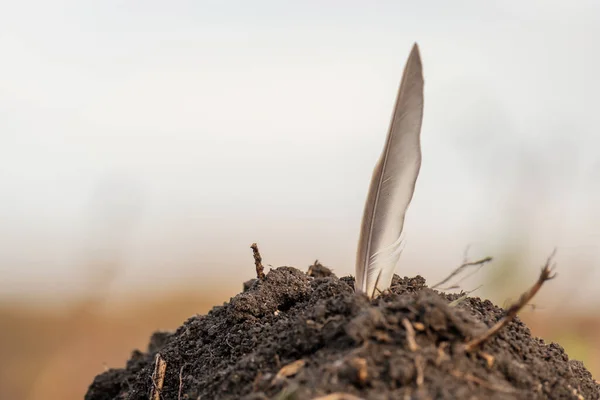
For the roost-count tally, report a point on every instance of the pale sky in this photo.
(169, 136)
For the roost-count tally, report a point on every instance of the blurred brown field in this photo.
(55, 354)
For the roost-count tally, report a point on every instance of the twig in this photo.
(410, 335)
(260, 270)
(545, 275)
(158, 377)
(464, 265)
(180, 382)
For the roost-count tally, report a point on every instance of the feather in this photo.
(392, 185)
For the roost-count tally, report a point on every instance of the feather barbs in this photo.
(392, 185)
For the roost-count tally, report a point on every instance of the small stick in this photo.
(511, 313)
(158, 377)
(260, 270)
(410, 335)
(464, 265)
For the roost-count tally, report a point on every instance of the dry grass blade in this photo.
(158, 377)
(545, 275)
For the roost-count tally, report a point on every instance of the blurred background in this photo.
(145, 145)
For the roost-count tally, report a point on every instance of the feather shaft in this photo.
(392, 185)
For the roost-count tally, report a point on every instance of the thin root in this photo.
(465, 264)
(180, 382)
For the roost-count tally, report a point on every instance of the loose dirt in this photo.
(299, 335)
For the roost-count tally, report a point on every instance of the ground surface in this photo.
(295, 336)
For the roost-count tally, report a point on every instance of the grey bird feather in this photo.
(392, 185)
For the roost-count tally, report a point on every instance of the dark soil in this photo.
(348, 347)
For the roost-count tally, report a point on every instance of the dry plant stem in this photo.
(158, 377)
(260, 270)
(410, 335)
(461, 268)
(511, 313)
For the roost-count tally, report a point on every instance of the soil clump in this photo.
(296, 335)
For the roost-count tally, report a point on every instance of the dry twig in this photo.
(545, 275)
(158, 377)
(410, 335)
(464, 265)
(260, 270)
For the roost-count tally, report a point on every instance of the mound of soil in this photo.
(305, 336)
